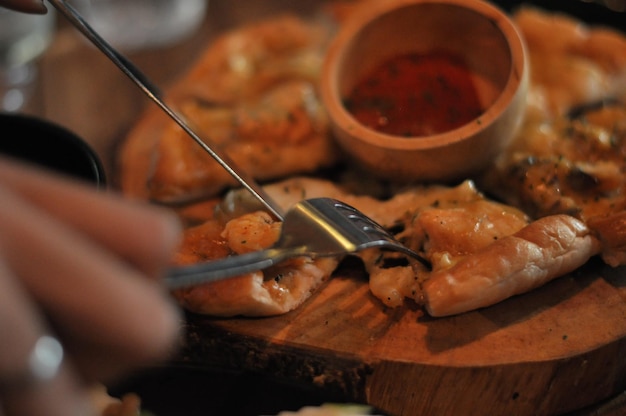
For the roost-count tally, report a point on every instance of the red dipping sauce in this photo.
(416, 95)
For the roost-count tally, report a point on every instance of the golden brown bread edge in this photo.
(545, 249)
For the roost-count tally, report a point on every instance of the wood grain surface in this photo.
(554, 350)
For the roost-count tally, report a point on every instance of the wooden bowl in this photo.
(476, 34)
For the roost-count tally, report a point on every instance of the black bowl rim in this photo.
(18, 120)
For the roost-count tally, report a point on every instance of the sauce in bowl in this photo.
(425, 90)
(416, 94)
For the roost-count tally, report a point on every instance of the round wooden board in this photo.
(557, 349)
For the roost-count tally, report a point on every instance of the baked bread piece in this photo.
(270, 292)
(252, 94)
(569, 155)
(233, 225)
(545, 249)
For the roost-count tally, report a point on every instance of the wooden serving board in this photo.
(557, 349)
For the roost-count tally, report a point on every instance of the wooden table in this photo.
(81, 90)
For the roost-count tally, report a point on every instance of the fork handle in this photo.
(186, 276)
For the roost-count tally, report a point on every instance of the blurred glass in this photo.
(23, 38)
(142, 24)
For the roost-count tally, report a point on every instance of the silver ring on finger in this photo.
(43, 364)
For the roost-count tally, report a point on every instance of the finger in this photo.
(110, 316)
(143, 235)
(28, 6)
(30, 385)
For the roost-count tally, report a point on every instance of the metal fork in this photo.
(320, 227)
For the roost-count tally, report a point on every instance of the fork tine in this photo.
(361, 228)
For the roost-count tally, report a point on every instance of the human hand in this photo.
(28, 6)
(81, 266)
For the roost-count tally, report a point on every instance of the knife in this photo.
(155, 95)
